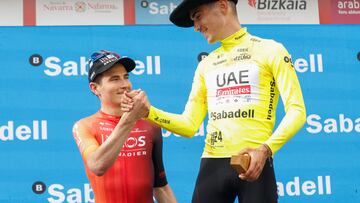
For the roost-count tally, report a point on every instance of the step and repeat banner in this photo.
(155, 12)
(44, 90)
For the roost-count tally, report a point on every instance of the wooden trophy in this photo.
(240, 162)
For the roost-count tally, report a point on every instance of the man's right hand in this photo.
(136, 103)
(127, 102)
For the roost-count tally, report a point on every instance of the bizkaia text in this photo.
(54, 66)
(281, 4)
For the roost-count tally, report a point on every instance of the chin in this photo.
(211, 41)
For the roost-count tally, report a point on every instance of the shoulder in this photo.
(85, 123)
(268, 49)
(148, 125)
(209, 59)
(265, 44)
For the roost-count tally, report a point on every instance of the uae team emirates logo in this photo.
(233, 83)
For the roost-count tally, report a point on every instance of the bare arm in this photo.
(103, 157)
(164, 194)
(100, 160)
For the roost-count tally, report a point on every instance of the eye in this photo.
(114, 78)
(197, 16)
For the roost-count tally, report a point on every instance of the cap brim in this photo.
(128, 64)
(181, 14)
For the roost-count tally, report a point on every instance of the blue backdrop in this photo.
(44, 90)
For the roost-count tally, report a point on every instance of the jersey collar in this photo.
(234, 39)
(108, 116)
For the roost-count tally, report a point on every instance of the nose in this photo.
(125, 84)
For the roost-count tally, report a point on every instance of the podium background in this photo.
(44, 47)
(41, 100)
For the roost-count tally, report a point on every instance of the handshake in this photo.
(136, 104)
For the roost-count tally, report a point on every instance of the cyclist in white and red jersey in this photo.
(238, 86)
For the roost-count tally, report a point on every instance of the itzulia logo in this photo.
(56, 66)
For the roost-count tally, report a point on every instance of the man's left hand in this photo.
(257, 162)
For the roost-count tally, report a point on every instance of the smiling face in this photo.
(111, 85)
(216, 20)
(209, 20)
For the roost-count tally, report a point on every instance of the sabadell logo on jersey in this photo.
(57, 66)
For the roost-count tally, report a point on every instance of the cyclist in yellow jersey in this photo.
(238, 85)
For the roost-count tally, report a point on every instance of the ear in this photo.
(224, 5)
(94, 88)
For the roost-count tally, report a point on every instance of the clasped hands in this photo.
(135, 103)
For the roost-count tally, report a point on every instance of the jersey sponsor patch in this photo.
(134, 145)
(249, 113)
(233, 85)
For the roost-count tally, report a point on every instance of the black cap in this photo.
(103, 60)
(181, 14)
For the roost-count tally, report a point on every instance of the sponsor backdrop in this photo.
(44, 90)
(155, 12)
(11, 13)
(73, 12)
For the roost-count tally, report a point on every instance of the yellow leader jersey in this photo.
(238, 84)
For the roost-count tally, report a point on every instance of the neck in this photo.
(111, 110)
(230, 28)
